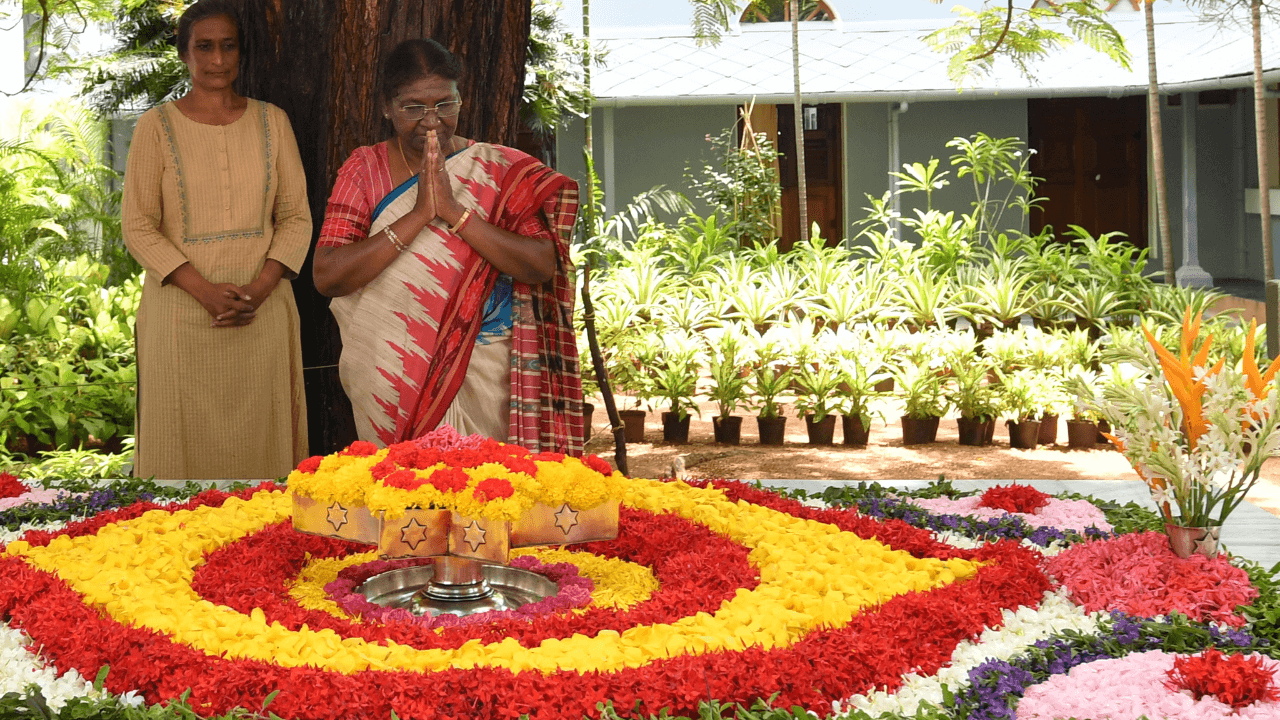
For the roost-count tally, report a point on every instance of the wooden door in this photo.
(822, 158)
(1092, 156)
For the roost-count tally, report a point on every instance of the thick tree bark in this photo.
(588, 265)
(320, 61)
(1264, 173)
(802, 187)
(1157, 148)
(1264, 142)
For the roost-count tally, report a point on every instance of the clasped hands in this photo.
(231, 305)
(435, 187)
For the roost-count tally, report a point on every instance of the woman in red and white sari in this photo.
(448, 264)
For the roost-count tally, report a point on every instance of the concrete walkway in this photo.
(1250, 531)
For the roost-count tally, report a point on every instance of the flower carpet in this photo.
(716, 598)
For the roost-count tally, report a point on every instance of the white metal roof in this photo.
(852, 62)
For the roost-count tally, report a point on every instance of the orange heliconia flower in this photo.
(1179, 372)
(1255, 381)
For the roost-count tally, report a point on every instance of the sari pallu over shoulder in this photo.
(408, 335)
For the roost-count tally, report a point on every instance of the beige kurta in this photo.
(217, 402)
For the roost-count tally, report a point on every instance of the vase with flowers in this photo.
(1196, 433)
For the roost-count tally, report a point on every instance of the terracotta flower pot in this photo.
(856, 430)
(773, 430)
(587, 411)
(1048, 429)
(975, 431)
(919, 431)
(633, 420)
(1187, 541)
(1103, 427)
(728, 430)
(1082, 434)
(674, 428)
(1023, 435)
(821, 432)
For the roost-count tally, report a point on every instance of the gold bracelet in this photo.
(462, 221)
(395, 239)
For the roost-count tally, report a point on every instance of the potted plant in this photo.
(816, 382)
(675, 380)
(730, 360)
(1054, 403)
(885, 344)
(1197, 433)
(629, 366)
(974, 398)
(1081, 385)
(860, 374)
(1022, 399)
(770, 379)
(924, 394)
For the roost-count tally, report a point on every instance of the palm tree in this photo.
(589, 223)
(1157, 146)
(1264, 169)
(802, 199)
(1221, 10)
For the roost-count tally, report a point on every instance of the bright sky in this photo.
(649, 13)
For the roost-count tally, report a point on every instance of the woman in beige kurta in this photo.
(220, 390)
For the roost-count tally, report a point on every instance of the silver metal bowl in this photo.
(407, 589)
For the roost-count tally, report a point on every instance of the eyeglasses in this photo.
(445, 109)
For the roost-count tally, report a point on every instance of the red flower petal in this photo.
(595, 463)
(493, 489)
(405, 480)
(11, 487)
(449, 479)
(1014, 498)
(360, 448)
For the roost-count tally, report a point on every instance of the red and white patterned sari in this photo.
(409, 336)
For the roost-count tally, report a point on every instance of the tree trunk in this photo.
(802, 189)
(320, 60)
(1157, 148)
(588, 265)
(1264, 143)
(1264, 173)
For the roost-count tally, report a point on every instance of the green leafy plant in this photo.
(740, 181)
(730, 360)
(771, 375)
(817, 384)
(861, 370)
(923, 392)
(1082, 385)
(970, 391)
(675, 370)
(1024, 394)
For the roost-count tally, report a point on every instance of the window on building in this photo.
(765, 11)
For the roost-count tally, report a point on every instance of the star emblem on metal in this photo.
(413, 533)
(1207, 546)
(474, 535)
(566, 518)
(337, 516)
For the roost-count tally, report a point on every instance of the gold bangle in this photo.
(462, 221)
(395, 239)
